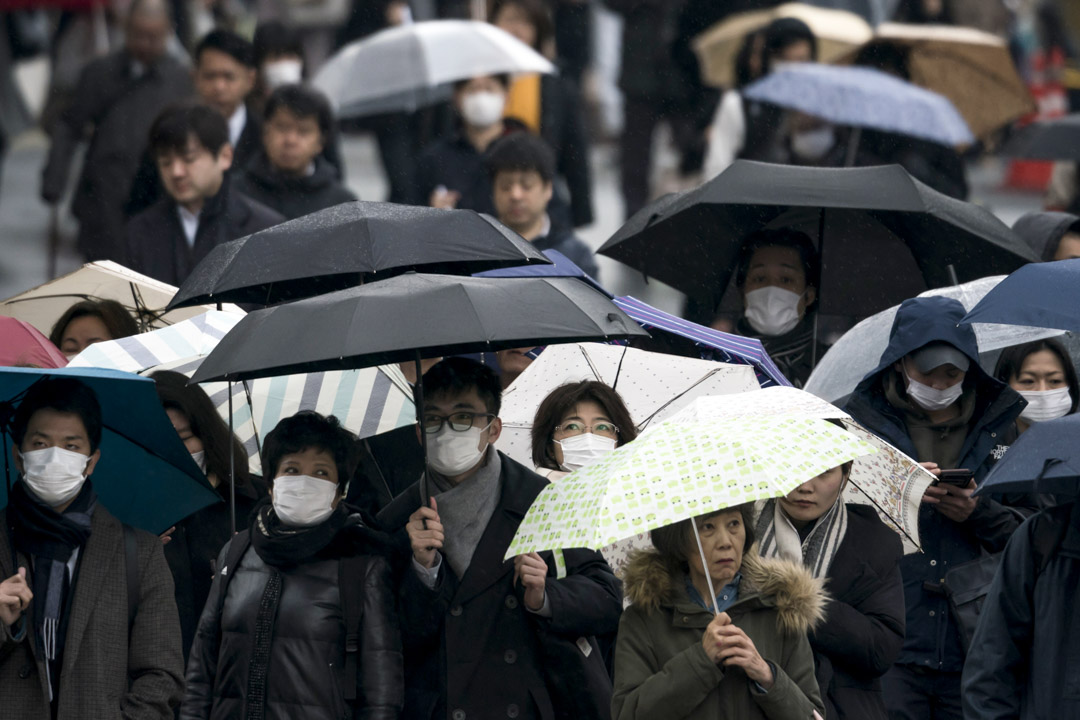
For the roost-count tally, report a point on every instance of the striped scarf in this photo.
(777, 537)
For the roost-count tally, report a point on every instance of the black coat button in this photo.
(25, 671)
(511, 602)
(510, 656)
(458, 715)
(456, 611)
(512, 711)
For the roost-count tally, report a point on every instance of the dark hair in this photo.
(539, 16)
(751, 49)
(562, 400)
(302, 102)
(275, 38)
(118, 321)
(457, 375)
(502, 78)
(784, 237)
(65, 395)
(176, 124)
(521, 152)
(886, 57)
(1012, 360)
(206, 424)
(228, 42)
(308, 429)
(784, 32)
(673, 541)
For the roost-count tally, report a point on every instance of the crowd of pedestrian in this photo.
(374, 577)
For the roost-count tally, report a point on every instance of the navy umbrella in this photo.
(146, 476)
(1045, 459)
(1039, 295)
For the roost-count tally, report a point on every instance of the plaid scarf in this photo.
(777, 537)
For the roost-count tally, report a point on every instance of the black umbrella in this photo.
(884, 236)
(348, 245)
(1057, 139)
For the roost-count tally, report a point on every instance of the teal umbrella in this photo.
(146, 476)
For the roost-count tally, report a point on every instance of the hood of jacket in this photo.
(260, 172)
(1042, 231)
(652, 582)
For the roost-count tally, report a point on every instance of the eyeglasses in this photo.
(606, 429)
(459, 421)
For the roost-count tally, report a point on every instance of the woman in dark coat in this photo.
(271, 642)
(858, 557)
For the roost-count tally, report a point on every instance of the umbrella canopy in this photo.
(883, 236)
(350, 244)
(1057, 139)
(888, 480)
(678, 471)
(411, 316)
(367, 402)
(146, 476)
(22, 344)
(837, 33)
(859, 350)
(973, 69)
(144, 297)
(1044, 295)
(1044, 460)
(418, 62)
(652, 385)
(863, 98)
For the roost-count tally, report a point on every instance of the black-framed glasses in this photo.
(605, 429)
(459, 421)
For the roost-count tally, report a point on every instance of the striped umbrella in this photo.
(367, 402)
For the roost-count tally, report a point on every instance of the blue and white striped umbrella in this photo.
(367, 402)
(865, 98)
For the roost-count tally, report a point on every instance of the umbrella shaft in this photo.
(705, 567)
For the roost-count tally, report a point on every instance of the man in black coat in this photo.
(290, 175)
(479, 631)
(200, 210)
(116, 100)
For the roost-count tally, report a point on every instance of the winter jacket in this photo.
(1027, 666)
(864, 622)
(662, 671)
(306, 674)
(292, 197)
(107, 672)
(156, 245)
(471, 648)
(1042, 231)
(932, 640)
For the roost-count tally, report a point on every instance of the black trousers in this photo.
(913, 692)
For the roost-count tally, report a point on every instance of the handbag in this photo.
(576, 677)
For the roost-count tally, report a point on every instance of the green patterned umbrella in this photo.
(677, 471)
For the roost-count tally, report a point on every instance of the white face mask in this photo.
(282, 72)
(54, 474)
(932, 399)
(772, 310)
(1046, 405)
(200, 460)
(451, 453)
(582, 450)
(302, 500)
(483, 109)
(813, 144)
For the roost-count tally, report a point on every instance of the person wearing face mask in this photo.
(192, 546)
(847, 546)
(70, 644)
(479, 631)
(777, 278)
(930, 398)
(300, 619)
(1043, 373)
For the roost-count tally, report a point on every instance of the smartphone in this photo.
(958, 478)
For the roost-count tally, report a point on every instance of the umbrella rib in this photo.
(589, 362)
(883, 511)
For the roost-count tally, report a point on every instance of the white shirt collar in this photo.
(545, 229)
(190, 223)
(237, 121)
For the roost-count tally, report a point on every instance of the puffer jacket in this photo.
(662, 671)
(306, 676)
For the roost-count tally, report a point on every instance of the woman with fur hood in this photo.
(676, 659)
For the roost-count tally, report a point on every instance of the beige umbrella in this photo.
(972, 68)
(144, 297)
(837, 31)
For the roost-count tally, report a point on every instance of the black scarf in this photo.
(51, 538)
(281, 545)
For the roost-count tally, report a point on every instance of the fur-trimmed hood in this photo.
(651, 582)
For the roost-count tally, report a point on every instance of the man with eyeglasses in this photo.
(479, 632)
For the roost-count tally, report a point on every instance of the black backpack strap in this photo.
(131, 565)
(350, 584)
(241, 541)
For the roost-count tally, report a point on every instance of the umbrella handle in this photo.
(705, 567)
